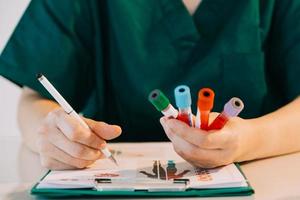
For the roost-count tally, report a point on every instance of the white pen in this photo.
(69, 110)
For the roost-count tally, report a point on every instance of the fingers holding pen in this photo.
(104, 130)
(79, 141)
(63, 142)
(74, 149)
(74, 131)
(49, 152)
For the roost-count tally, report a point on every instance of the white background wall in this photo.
(10, 13)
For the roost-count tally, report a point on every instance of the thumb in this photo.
(104, 130)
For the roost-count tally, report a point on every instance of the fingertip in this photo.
(117, 129)
(176, 126)
(104, 130)
(103, 144)
(109, 132)
(163, 120)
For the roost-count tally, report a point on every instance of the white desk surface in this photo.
(273, 178)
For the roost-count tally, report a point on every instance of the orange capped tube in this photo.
(205, 104)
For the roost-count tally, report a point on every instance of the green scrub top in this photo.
(106, 56)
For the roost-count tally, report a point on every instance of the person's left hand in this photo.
(214, 148)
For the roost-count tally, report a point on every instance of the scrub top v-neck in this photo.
(106, 56)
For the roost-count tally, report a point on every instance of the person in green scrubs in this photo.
(106, 56)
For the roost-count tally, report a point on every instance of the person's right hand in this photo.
(63, 143)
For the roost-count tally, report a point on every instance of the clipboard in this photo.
(167, 192)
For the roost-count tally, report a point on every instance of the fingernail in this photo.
(163, 120)
(103, 145)
(117, 128)
(110, 127)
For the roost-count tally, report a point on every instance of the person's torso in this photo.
(158, 44)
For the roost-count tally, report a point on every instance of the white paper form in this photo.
(153, 164)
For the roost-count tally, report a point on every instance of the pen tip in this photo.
(113, 160)
(39, 75)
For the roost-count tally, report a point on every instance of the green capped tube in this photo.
(162, 103)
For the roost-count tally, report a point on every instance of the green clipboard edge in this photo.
(221, 192)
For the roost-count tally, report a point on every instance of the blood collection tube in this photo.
(183, 102)
(162, 103)
(231, 109)
(205, 104)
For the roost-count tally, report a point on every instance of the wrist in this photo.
(252, 140)
(259, 141)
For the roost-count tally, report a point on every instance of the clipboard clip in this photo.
(131, 185)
